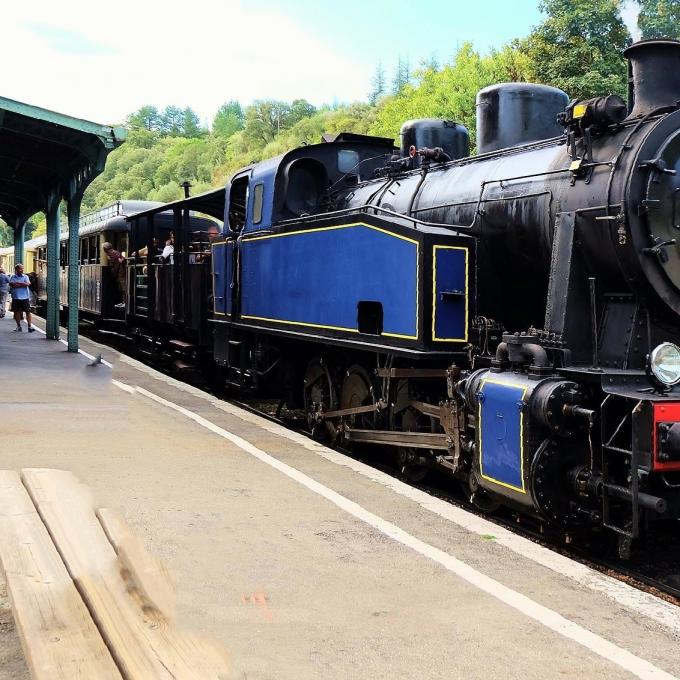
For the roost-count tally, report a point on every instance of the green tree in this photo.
(578, 47)
(228, 119)
(191, 126)
(172, 121)
(402, 75)
(431, 62)
(30, 231)
(378, 85)
(146, 118)
(659, 19)
(264, 119)
(6, 234)
(299, 109)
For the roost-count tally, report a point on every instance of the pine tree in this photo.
(192, 124)
(402, 75)
(378, 85)
(147, 118)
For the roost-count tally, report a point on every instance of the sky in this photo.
(102, 61)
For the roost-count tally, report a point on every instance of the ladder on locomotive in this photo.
(620, 450)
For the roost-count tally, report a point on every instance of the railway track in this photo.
(654, 568)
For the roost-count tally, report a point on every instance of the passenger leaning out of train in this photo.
(19, 284)
(4, 292)
(118, 269)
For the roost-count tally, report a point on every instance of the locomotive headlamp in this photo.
(664, 364)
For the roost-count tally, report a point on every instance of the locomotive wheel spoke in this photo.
(357, 390)
(319, 396)
(411, 421)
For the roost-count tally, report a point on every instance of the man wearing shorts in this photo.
(19, 284)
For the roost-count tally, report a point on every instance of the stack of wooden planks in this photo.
(89, 601)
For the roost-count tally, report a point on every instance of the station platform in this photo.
(303, 562)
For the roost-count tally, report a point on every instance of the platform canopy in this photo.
(43, 152)
(47, 157)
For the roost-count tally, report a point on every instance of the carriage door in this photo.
(237, 212)
(222, 277)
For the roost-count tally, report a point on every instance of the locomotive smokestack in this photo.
(655, 75)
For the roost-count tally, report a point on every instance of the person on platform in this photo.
(19, 285)
(4, 292)
(118, 269)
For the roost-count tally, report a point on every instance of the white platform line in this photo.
(126, 388)
(539, 613)
(623, 594)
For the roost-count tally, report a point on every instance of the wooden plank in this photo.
(142, 639)
(57, 634)
(142, 571)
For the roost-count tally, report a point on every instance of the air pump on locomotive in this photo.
(511, 317)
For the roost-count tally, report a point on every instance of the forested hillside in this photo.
(577, 48)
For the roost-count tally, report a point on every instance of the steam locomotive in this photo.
(511, 318)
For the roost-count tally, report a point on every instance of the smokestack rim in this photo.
(656, 42)
(521, 87)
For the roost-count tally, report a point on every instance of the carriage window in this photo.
(83, 251)
(258, 193)
(92, 255)
(347, 160)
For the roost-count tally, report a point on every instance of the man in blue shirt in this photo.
(21, 298)
(4, 292)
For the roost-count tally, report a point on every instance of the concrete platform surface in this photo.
(303, 562)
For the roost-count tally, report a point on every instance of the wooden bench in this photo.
(88, 599)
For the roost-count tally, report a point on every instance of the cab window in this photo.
(258, 193)
(348, 160)
(238, 200)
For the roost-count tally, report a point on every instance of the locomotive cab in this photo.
(302, 182)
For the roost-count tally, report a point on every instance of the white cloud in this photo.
(102, 61)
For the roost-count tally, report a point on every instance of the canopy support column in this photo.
(73, 271)
(19, 236)
(53, 228)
